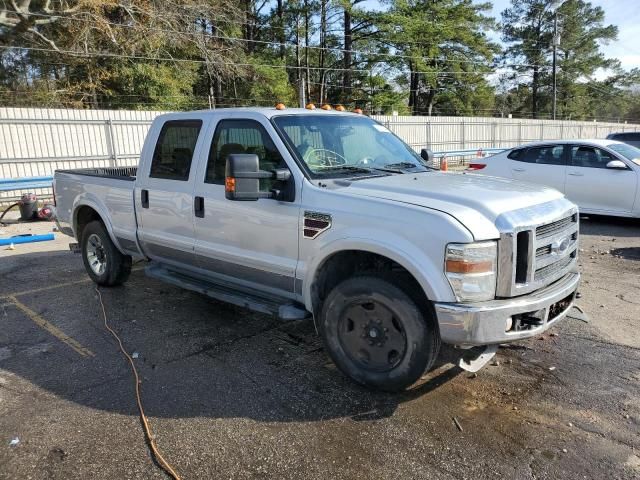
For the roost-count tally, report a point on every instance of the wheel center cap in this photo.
(373, 333)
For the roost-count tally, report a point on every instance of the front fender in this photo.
(426, 269)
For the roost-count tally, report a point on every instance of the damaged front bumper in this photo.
(507, 320)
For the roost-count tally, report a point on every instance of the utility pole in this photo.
(302, 101)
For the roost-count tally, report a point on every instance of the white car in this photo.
(600, 176)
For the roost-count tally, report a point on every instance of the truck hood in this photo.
(474, 200)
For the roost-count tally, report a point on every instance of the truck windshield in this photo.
(332, 145)
(628, 151)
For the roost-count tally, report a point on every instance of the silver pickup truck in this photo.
(329, 215)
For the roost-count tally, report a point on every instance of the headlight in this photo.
(471, 270)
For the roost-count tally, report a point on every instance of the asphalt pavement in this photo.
(238, 395)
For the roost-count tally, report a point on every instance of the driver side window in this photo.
(241, 136)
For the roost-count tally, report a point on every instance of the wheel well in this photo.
(349, 263)
(84, 216)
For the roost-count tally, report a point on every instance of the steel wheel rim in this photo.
(96, 255)
(372, 335)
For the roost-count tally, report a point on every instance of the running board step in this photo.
(281, 307)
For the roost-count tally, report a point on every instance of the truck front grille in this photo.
(539, 255)
(553, 268)
(554, 227)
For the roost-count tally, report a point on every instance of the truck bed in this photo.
(109, 191)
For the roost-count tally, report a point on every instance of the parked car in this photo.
(302, 213)
(632, 138)
(600, 176)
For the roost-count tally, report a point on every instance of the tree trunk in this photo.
(323, 45)
(249, 25)
(534, 91)
(413, 89)
(280, 33)
(307, 13)
(348, 41)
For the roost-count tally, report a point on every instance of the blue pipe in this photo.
(29, 238)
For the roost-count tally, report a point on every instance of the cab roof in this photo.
(268, 112)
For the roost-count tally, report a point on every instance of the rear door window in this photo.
(173, 154)
(545, 155)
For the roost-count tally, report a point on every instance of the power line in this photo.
(276, 43)
(77, 53)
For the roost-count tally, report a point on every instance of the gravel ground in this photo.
(234, 394)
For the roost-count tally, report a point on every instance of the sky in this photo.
(623, 13)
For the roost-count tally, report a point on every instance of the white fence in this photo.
(36, 142)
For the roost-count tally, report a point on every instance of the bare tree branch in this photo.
(41, 36)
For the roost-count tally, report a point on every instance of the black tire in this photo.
(116, 266)
(391, 311)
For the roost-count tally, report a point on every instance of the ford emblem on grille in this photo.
(560, 246)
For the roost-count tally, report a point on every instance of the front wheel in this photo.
(380, 335)
(103, 261)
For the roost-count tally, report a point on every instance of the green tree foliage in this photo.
(427, 57)
(445, 50)
(528, 30)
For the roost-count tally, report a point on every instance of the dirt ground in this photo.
(234, 394)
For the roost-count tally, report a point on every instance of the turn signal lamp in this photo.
(230, 184)
(340, 108)
(326, 106)
(280, 106)
(310, 106)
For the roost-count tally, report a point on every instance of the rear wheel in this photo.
(103, 261)
(379, 334)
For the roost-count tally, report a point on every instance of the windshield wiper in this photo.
(401, 165)
(347, 168)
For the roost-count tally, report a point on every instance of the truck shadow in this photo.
(628, 253)
(606, 226)
(197, 357)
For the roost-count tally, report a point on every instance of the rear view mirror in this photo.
(242, 178)
(616, 165)
(427, 155)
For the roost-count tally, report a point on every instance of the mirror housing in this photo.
(243, 175)
(427, 155)
(616, 165)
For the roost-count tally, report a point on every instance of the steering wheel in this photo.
(322, 157)
(371, 161)
(367, 162)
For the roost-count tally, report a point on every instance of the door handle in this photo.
(519, 170)
(144, 198)
(198, 206)
(576, 174)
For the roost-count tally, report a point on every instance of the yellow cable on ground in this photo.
(147, 428)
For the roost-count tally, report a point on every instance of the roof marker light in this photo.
(340, 108)
(280, 106)
(326, 106)
(358, 111)
(310, 106)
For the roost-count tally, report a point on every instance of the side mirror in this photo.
(242, 178)
(616, 165)
(427, 155)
